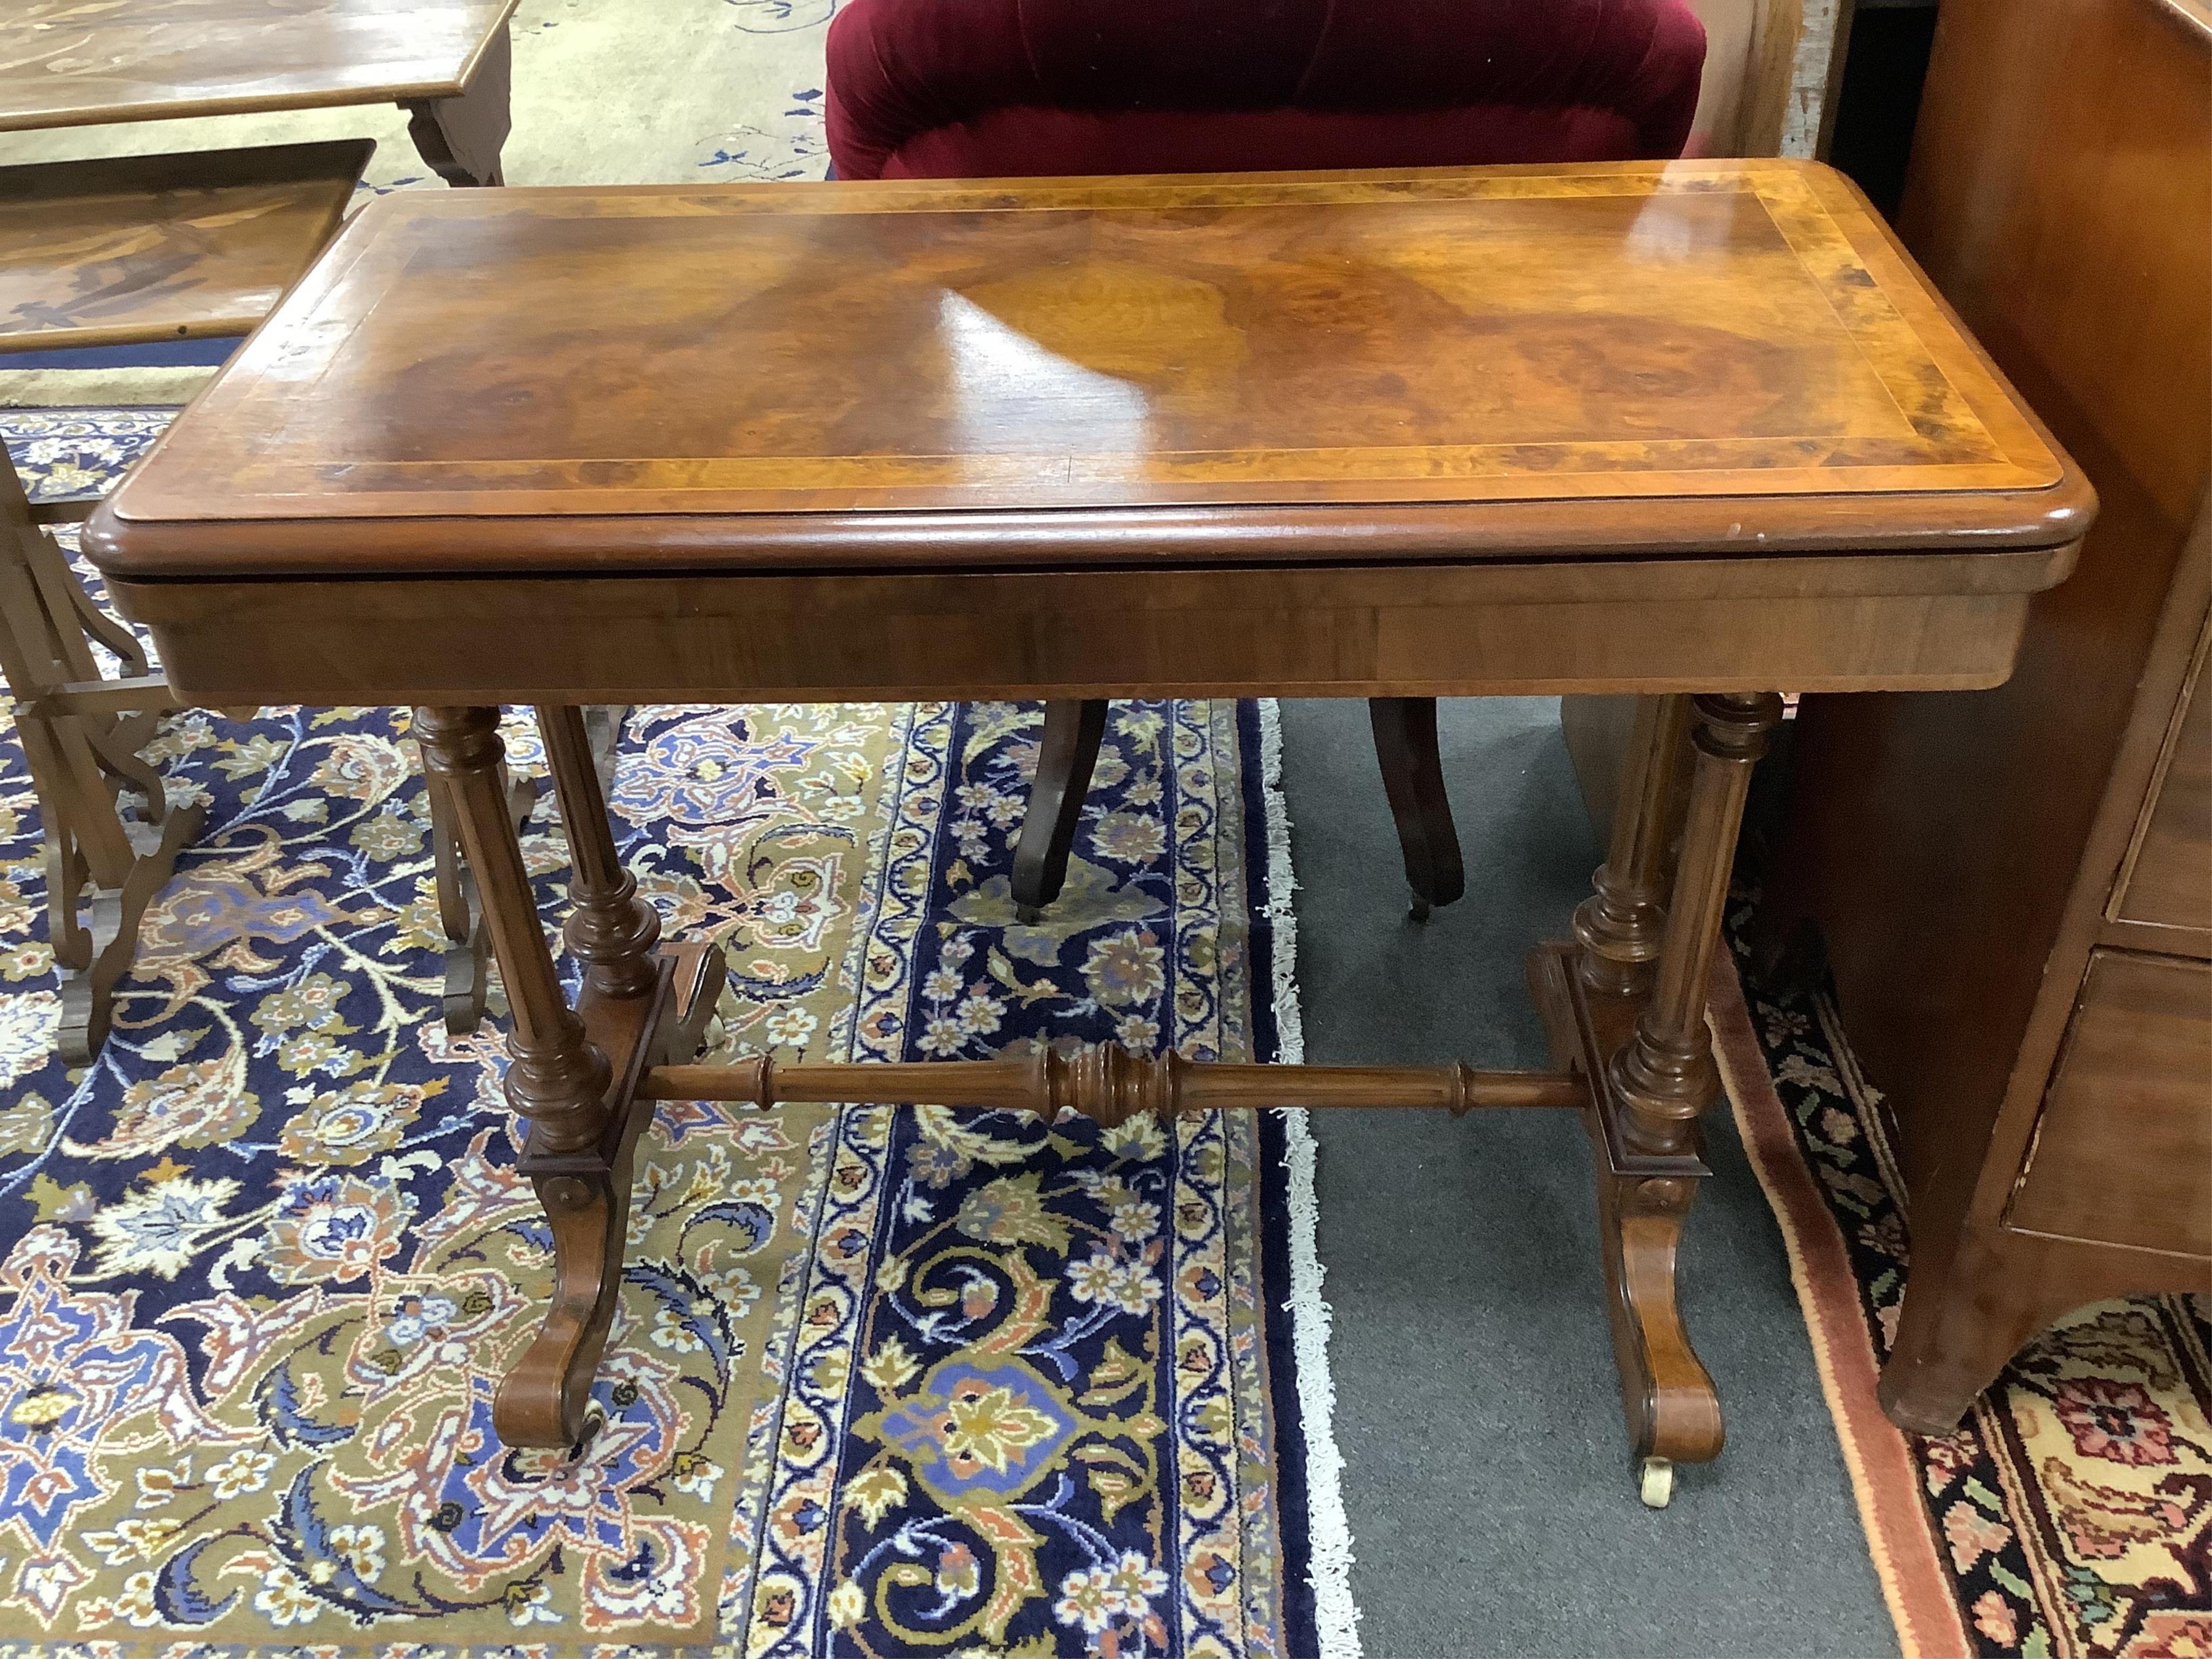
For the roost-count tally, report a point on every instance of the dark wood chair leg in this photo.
(1072, 732)
(1413, 779)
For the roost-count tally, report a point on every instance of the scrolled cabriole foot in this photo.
(1672, 1409)
(1668, 1402)
(545, 1399)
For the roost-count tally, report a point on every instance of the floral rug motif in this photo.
(883, 1381)
(2071, 1515)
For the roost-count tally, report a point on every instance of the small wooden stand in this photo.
(105, 819)
(184, 245)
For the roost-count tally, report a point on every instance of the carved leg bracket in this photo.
(545, 1400)
(1625, 1008)
(1668, 1399)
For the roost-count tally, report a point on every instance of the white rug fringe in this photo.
(1336, 1615)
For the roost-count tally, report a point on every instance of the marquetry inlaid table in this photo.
(73, 63)
(1695, 432)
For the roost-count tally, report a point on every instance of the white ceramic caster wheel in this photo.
(1655, 1482)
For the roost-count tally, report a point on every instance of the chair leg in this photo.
(1072, 732)
(1413, 779)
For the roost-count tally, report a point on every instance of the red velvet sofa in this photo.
(975, 89)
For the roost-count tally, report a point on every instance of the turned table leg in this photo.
(468, 942)
(572, 1072)
(557, 1078)
(610, 928)
(1618, 926)
(1650, 1061)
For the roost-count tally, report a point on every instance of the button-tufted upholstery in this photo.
(954, 88)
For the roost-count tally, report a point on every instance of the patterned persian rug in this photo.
(884, 1383)
(2071, 1515)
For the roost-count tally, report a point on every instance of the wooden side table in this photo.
(1692, 432)
(121, 250)
(448, 63)
(107, 252)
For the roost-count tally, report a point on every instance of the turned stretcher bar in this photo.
(1110, 1084)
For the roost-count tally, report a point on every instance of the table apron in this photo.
(1892, 621)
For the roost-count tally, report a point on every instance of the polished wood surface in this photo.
(74, 63)
(2124, 1136)
(1961, 854)
(1729, 355)
(152, 248)
(1696, 429)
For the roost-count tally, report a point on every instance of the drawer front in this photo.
(2167, 881)
(2122, 1154)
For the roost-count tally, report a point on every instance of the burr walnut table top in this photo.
(77, 62)
(1727, 355)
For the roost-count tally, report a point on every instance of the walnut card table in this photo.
(1696, 432)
